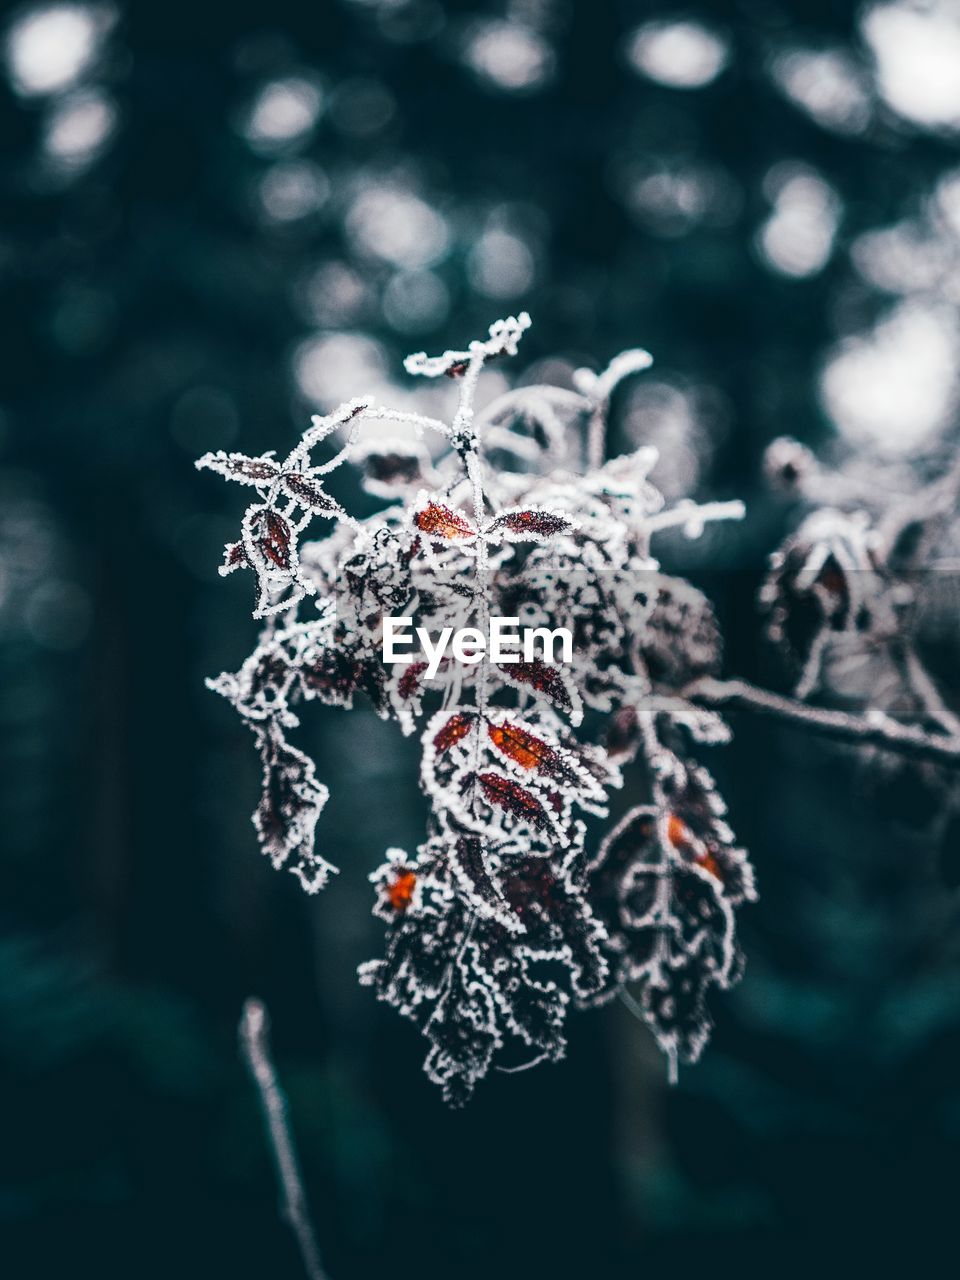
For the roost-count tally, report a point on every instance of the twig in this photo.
(873, 729)
(255, 1046)
(692, 516)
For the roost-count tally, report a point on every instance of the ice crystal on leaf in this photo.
(665, 883)
(503, 920)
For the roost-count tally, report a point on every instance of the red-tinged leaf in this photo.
(400, 889)
(237, 466)
(508, 795)
(523, 747)
(571, 767)
(234, 557)
(541, 677)
(455, 729)
(311, 494)
(533, 524)
(274, 538)
(409, 683)
(440, 522)
(457, 369)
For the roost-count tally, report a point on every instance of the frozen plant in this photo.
(517, 906)
(503, 917)
(858, 604)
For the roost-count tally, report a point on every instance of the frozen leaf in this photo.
(268, 539)
(405, 693)
(290, 804)
(438, 521)
(665, 883)
(823, 582)
(234, 557)
(522, 747)
(237, 466)
(453, 731)
(508, 795)
(530, 526)
(333, 673)
(681, 639)
(554, 911)
(470, 862)
(581, 777)
(483, 958)
(310, 493)
(548, 682)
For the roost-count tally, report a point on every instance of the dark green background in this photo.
(821, 1128)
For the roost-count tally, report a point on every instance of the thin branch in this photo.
(597, 436)
(873, 729)
(692, 516)
(254, 1033)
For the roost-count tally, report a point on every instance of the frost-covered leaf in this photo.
(405, 691)
(582, 776)
(681, 639)
(506, 794)
(533, 525)
(470, 861)
(310, 493)
(453, 730)
(268, 539)
(483, 957)
(259, 471)
(438, 521)
(665, 884)
(234, 557)
(552, 683)
(290, 804)
(822, 582)
(334, 672)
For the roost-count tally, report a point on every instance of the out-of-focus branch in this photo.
(255, 1047)
(873, 729)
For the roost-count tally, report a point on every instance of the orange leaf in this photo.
(400, 890)
(440, 522)
(529, 752)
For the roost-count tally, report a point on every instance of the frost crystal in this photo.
(502, 921)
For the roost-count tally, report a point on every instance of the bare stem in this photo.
(874, 729)
(254, 1033)
(597, 436)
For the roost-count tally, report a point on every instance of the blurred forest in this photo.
(219, 219)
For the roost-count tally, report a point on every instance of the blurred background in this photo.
(218, 219)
